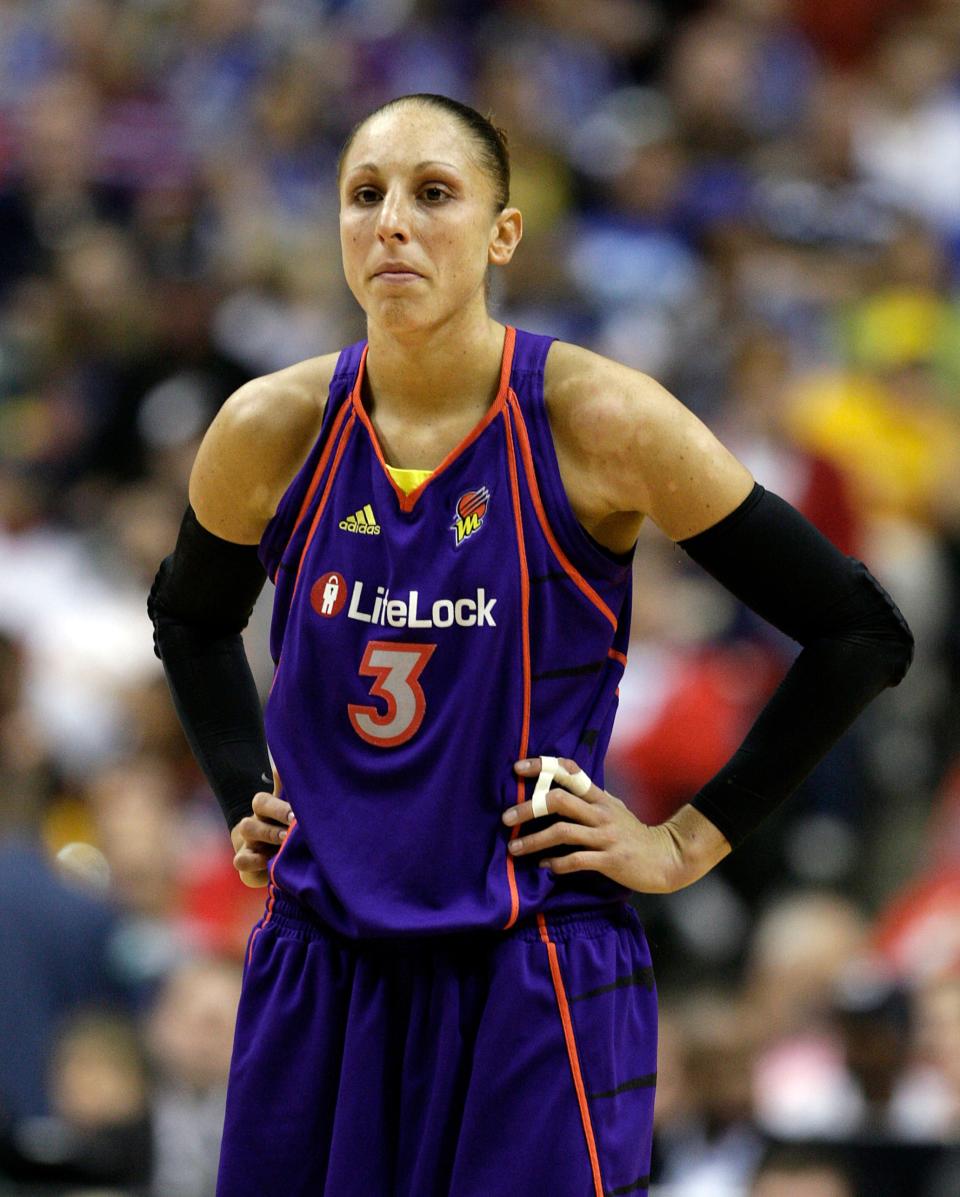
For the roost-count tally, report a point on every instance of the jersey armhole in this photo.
(583, 550)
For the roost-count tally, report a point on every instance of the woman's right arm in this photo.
(205, 591)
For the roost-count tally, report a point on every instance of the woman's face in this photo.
(418, 225)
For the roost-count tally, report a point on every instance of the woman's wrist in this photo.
(700, 845)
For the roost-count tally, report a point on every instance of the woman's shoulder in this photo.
(294, 397)
(255, 445)
(594, 399)
(628, 445)
(596, 408)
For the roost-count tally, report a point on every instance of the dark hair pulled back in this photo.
(490, 140)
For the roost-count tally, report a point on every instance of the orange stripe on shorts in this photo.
(574, 1059)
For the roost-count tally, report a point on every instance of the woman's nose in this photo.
(393, 222)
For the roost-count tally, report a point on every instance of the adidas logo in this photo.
(363, 521)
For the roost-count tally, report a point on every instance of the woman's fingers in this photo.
(269, 822)
(575, 862)
(577, 804)
(559, 833)
(562, 771)
(257, 838)
(271, 806)
(252, 868)
(558, 802)
(255, 830)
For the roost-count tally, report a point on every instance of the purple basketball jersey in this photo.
(423, 643)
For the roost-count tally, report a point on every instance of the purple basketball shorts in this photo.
(481, 1065)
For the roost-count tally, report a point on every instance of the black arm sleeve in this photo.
(855, 643)
(200, 602)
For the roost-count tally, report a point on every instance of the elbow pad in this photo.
(206, 583)
(855, 643)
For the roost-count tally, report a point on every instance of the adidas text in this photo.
(362, 521)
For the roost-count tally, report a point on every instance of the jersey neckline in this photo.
(407, 501)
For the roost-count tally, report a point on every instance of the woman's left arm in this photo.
(640, 451)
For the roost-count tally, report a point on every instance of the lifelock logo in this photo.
(329, 592)
(405, 613)
(328, 597)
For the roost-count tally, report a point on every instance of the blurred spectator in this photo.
(57, 944)
(938, 1038)
(190, 1036)
(98, 1130)
(82, 636)
(909, 316)
(51, 190)
(134, 805)
(629, 255)
(799, 949)
(871, 1014)
(891, 435)
(754, 426)
(710, 78)
(216, 58)
(709, 1144)
(799, 946)
(907, 130)
(170, 868)
(56, 936)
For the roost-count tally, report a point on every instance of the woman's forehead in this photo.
(408, 135)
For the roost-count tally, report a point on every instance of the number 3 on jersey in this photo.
(396, 668)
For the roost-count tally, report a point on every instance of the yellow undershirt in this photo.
(408, 480)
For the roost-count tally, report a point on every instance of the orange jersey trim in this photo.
(569, 1038)
(614, 655)
(321, 466)
(323, 501)
(574, 574)
(322, 504)
(406, 500)
(525, 641)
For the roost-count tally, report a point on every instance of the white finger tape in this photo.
(576, 783)
(548, 770)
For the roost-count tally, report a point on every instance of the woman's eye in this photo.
(434, 194)
(365, 195)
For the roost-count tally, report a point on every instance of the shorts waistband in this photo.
(295, 919)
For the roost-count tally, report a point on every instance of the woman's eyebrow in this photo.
(372, 166)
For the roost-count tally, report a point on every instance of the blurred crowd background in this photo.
(755, 201)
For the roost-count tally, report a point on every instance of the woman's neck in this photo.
(446, 370)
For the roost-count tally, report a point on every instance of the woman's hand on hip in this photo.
(611, 840)
(258, 837)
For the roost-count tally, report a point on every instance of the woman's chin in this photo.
(401, 315)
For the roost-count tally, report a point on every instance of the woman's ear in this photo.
(506, 236)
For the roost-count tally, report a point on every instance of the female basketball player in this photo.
(448, 992)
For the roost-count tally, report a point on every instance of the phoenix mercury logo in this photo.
(471, 508)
